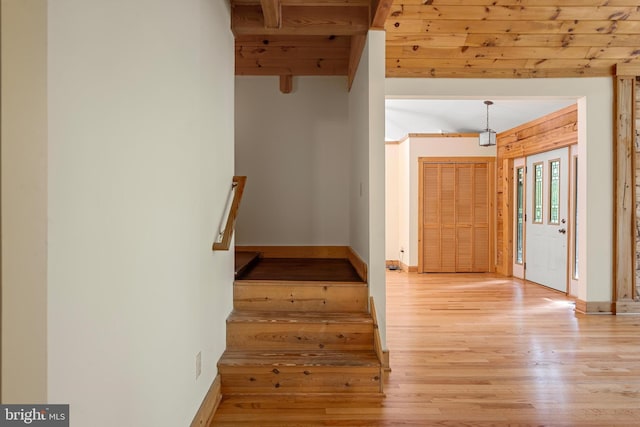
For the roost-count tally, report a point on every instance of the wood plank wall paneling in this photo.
(637, 192)
(555, 130)
(623, 195)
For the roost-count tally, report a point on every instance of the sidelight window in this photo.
(519, 214)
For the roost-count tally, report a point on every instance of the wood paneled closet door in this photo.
(456, 215)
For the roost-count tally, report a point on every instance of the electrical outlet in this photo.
(198, 364)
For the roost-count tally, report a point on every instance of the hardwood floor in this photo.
(480, 350)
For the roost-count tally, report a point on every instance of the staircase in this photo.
(300, 337)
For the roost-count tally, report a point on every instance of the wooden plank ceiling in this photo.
(437, 38)
(303, 37)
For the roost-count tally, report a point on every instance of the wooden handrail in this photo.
(223, 240)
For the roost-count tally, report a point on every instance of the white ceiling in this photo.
(404, 116)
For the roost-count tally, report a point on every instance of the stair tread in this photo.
(299, 317)
(363, 358)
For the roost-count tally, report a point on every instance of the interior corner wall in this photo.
(24, 201)
(140, 164)
(392, 204)
(595, 145)
(434, 147)
(404, 207)
(367, 179)
(294, 150)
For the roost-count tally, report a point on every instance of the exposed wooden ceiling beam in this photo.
(380, 10)
(355, 53)
(517, 13)
(509, 52)
(396, 26)
(628, 69)
(302, 20)
(286, 83)
(522, 3)
(271, 13)
(501, 73)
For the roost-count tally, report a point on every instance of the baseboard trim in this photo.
(385, 361)
(357, 263)
(594, 307)
(209, 405)
(627, 307)
(298, 251)
(409, 268)
(377, 342)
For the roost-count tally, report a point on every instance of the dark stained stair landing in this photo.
(300, 269)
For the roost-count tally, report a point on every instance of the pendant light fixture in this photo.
(488, 136)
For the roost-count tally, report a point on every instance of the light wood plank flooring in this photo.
(480, 350)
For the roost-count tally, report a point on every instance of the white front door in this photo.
(546, 219)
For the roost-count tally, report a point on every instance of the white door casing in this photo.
(518, 243)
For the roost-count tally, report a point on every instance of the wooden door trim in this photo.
(491, 171)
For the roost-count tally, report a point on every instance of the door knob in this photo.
(562, 230)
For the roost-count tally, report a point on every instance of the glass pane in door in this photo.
(554, 192)
(537, 193)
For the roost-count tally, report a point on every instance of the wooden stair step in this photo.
(300, 358)
(299, 331)
(272, 295)
(298, 317)
(300, 372)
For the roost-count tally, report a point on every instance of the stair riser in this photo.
(307, 297)
(315, 379)
(298, 336)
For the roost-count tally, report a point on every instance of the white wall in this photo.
(595, 137)
(24, 201)
(294, 149)
(140, 162)
(367, 215)
(392, 201)
(404, 207)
